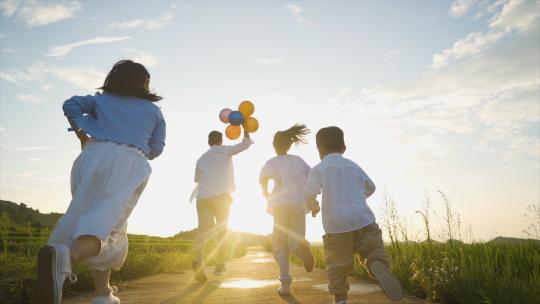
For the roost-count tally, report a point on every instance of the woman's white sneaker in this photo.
(109, 299)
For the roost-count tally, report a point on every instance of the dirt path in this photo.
(250, 279)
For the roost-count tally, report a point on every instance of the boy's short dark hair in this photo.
(330, 139)
(215, 138)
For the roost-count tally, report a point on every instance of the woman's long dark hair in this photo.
(129, 78)
(284, 139)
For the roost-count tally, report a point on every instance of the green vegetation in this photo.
(504, 270)
(462, 273)
(24, 231)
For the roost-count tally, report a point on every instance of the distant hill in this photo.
(512, 241)
(21, 216)
(247, 238)
(186, 235)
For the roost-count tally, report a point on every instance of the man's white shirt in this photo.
(345, 187)
(214, 171)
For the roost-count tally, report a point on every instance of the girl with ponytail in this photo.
(285, 202)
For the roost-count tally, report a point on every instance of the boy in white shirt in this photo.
(348, 222)
(214, 174)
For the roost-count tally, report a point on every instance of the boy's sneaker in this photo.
(198, 271)
(307, 257)
(388, 282)
(219, 269)
(54, 266)
(109, 299)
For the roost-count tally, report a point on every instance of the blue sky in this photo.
(432, 95)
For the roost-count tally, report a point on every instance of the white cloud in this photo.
(516, 15)
(28, 74)
(2, 129)
(9, 77)
(34, 13)
(84, 78)
(38, 75)
(471, 45)
(61, 50)
(29, 98)
(148, 24)
(296, 11)
(267, 60)
(344, 91)
(489, 100)
(8, 7)
(520, 15)
(142, 57)
(461, 7)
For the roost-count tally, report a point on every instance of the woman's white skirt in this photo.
(107, 180)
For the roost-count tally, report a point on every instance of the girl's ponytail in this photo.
(284, 139)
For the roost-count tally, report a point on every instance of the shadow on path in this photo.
(290, 299)
(185, 292)
(210, 287)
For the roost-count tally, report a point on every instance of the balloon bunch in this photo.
(237, 118)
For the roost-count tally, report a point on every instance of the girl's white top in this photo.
(289, 173)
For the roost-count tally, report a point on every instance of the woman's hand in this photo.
(83, 137)
(315, 210)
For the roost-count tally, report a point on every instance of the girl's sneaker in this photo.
(54, 266)
(284, 290)
(388, 282)
(219, 269)
(109, 299)
(198, 271)
(307, 257)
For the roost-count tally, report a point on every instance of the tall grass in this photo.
(443, 268)
(452, 271)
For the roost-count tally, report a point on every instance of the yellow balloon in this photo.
(246, 108)
(233, 132)
(251, 124)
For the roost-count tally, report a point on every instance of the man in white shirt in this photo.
(348, 222)
(214, 174)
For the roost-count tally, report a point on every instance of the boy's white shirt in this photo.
(345, 187)
(289, 173)
(214, 171)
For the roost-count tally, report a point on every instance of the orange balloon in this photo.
(251, 124)
(233, 132)
(246, 108)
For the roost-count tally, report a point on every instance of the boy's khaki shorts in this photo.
(340, 248)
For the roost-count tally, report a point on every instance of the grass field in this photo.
(147, 256)
(463, 273)
(452, 271)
